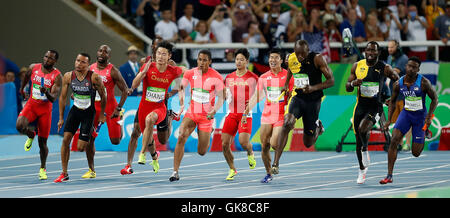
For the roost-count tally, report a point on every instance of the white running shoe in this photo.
(365, 159)
(361, 176)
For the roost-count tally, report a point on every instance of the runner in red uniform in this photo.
(270, 85)
(39, 106)
(240, 86)
(206, 83)
(157, 78)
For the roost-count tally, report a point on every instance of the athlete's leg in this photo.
(227, 140)
(364, 133)
(312, 124)
(133, 142)
(203, 141)
(186, 128)
(397, 137)
(22, 126)
(244, 140)
(65, 151)
(288, 125)
(43, 150)
(265, 134)
(164, 129)
(147, 135)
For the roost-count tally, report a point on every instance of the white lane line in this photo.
(216, 187)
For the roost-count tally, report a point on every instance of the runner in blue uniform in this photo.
(414, 87)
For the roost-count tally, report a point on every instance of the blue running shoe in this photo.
(267, 179)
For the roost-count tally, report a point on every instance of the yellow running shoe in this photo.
(89, 174)
(231, 175)
(28, 144)
(251, 161)
(141, 158)
(155, 163)
(42, 174)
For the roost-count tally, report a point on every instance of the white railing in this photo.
(290, 45)
(103, 8)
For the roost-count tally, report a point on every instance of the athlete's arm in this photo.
(181, 96)
(352, 80)
(288, 76)
(389, 72)
(56, 88)
(98, 85)
(120, 82)
(319, 62)
(63, 98)
(139, 77)
(428, 89)
(219, 103)
(392, 104)
(26, 79)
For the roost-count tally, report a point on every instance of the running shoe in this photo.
(28, 144)
(126, 170)
(361, 176)
(365, 159)
(267, 179)
(251, 161)
(275, 170)
(89, 174)
(174, 176)
(321, 128)
(141, 158)
(42, 174)
(155, 163)
(231, 175)
(405, 147)
(61, 178)
(386, 180)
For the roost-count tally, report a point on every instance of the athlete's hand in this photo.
(43, 90)
(60, 124)
(101, 118)
(130, 91)
(116, 113)
(386, 125)
(211, 114)
(244, 119)
(428, 121)
(356, 82)
(308, 89)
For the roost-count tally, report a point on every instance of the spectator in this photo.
(166, 28)
(254, 35)
(187, 23)
(201, 35)
(390, 25)
(415, 28)
(360, 12)
(314, 32)
(130, 69)
(149, 10)
(442, 32)
(432, 11)
(129, 11)
(229, 55)
(243, 16)
(206, 8)
(355, 25)
(372, 30)
(296, 27)
(10, 77)
(333, 34)
(310, 4)
(331, 14)
(397, 59)
(275, 8)
(222, 28)
(402, 14)
(274, 32)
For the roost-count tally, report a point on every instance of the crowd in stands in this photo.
(277, 21)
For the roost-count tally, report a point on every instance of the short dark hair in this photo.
(54, 52)
(242, 51)
(302, 42)
(278, 51)
(205, 52)
(165, 44)
(373, 43)
(84, 54)
(415, 59)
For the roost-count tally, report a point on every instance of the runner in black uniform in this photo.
(369, 75)
(84, 83)
(307, 69)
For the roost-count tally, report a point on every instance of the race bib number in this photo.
(97, 96)
(413, 103)
(301, 80)
(273, 93)
(36, 93)
(155, 94)
(369, 89)
(81, 101)
(200, 95)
